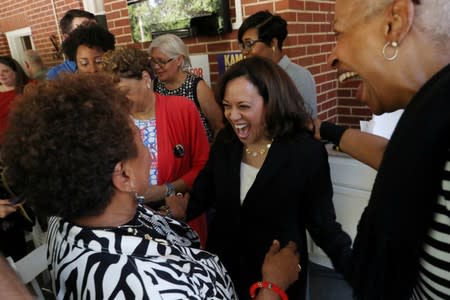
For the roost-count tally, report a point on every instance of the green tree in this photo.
(153, 15)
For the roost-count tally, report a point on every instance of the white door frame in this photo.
(15, 43)
(97, 7)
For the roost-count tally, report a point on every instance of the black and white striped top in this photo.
(434, 271)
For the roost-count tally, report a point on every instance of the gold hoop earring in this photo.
(393, 45)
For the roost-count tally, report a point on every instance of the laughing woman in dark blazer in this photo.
(266, 177)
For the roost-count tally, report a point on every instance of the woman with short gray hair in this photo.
(171, 63)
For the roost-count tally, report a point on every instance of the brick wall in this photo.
(118, 22)
(40, 16)
(349, 110)
(309, 41)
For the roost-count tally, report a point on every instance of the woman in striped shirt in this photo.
(402, 249)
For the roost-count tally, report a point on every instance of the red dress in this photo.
(16, 246)
(6, 98)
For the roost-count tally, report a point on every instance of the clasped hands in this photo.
(177, 205)
(173, 206)
(281, 265)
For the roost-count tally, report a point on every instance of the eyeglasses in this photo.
(247, 45)
(159, 62)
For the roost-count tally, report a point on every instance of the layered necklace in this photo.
(150, 225)
(261, 151)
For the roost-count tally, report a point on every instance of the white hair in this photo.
(433, 18)
(172, 46)
(33, 57)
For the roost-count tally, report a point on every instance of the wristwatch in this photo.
(170, 189)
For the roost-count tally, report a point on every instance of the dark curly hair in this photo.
(269, 26)
(127, 63)
(92, 36)
(66, 21)
(21, 77)
(285, 111)
(63, 141)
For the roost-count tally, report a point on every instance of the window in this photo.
(182, 17)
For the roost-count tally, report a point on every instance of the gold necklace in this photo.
(261, 151)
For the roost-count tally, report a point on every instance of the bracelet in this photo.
(332, 132)
(170, 189)
(267, 285)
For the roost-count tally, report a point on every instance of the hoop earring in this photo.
(394, 45)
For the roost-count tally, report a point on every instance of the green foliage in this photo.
(161, 15)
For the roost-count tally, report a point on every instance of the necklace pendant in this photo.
(261, 151)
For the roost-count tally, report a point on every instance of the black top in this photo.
(291, 193)
(393, 227)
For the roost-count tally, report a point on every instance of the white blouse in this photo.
(248, 175)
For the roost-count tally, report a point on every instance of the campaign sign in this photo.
(200, 67)
(227, 59)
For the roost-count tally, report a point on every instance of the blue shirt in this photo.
(66, 66)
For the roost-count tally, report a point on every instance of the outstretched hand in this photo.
(281, 266)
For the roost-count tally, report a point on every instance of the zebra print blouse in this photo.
(151, 257)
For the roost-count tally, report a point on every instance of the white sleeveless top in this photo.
(248, 175)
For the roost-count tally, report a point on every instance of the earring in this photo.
(394, 46)
(139, 199)
(149, 86)
(273, 49)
